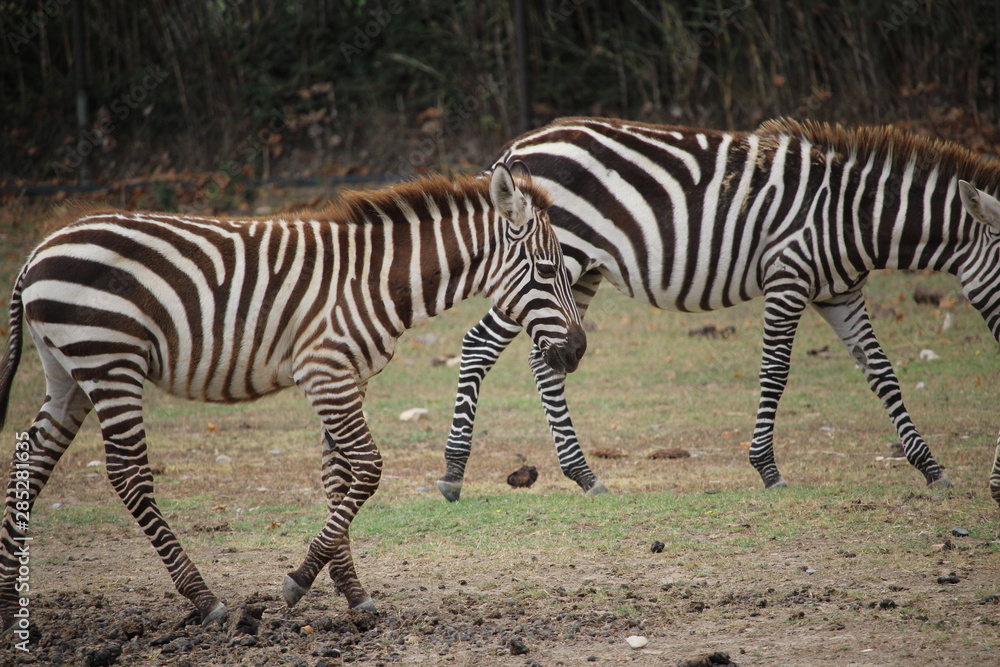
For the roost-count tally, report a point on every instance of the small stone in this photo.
(657, 547)
(94, 464)
(426, 338)
(413, 414)
(958, 531)
(222, 458)
(104, 656)
(809, 570)
(636, 641)
(928, 355)
(518, 647)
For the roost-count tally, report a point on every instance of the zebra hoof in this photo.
(597, 489)
(218, 613)
(292, 592)
(451, 491)
(366, 606)
(780, 484)
(941, 482)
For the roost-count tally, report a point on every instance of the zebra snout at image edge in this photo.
(695, 220)
(228, 310)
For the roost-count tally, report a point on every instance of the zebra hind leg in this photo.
(118, 404)
(352, 467)
(57, 423)
(849, 319)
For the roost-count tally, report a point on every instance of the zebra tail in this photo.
(12, 355)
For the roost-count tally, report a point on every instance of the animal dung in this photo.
(609, 453)
(670, 453)
(712, 331)
(657, 547)
(927, 297)
(413, 414)
(523, 477)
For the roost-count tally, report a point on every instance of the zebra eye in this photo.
(546, 270)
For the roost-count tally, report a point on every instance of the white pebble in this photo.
(95, 463)
(222, 458)
(928, 355)
(636, 641)
(920, 385)
(413, 414)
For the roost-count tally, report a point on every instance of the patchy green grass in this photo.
(866, 528)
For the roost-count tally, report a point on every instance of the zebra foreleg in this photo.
(54, 428)
(782, 312)
(849, 319)
(552, 390)
(481, 347)
(119, 409)
(352, 467)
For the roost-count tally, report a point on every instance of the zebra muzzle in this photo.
(565, 356)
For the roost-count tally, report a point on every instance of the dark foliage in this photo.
(256, 87)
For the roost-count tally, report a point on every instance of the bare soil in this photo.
(101, 597)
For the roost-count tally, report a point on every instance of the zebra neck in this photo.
(449, 261)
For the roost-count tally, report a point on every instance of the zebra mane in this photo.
(888, 142)
(359, 206)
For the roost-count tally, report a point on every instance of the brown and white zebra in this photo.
(224, 310)
(696, 220)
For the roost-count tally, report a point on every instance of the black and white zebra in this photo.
(696, 220)
(228, 310)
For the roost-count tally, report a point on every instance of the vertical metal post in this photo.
(523, 81)
(80, 71)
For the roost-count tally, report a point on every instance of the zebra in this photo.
(696, 220)
(226, 310)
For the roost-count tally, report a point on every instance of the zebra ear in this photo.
(520, 170)
(508, 200)
(981, 206)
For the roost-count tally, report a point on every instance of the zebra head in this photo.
(533, 286)
(980, 273)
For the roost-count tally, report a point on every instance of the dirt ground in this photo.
(101, 597)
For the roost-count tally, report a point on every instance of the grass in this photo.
(644, 384)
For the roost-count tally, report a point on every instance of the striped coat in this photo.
(695, 220)
(233, 309)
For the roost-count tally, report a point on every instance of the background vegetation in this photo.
(261, 88)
